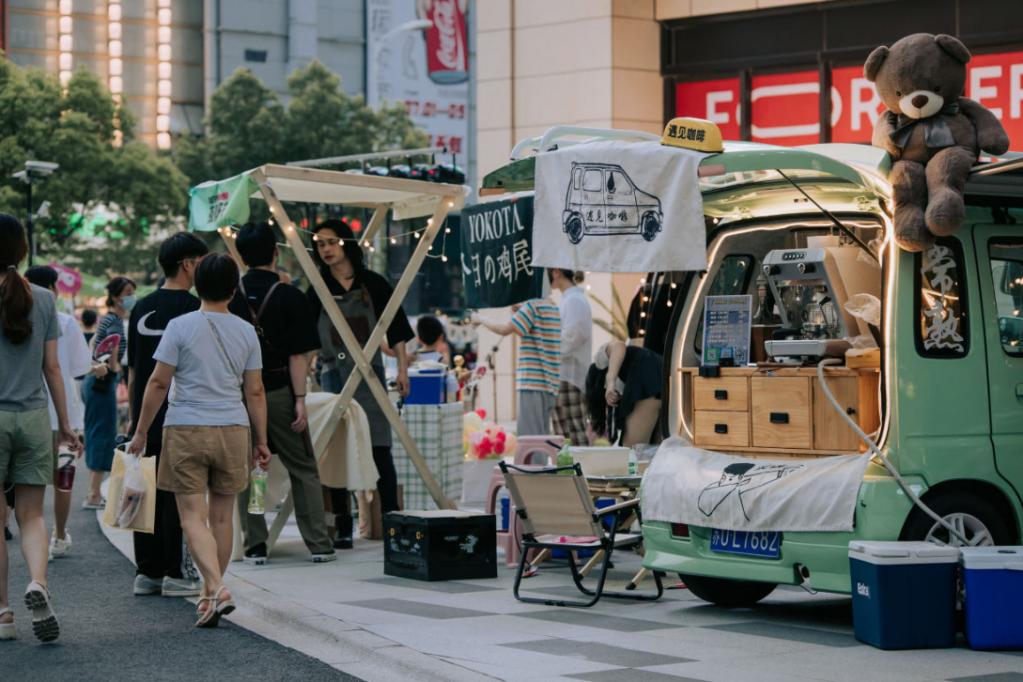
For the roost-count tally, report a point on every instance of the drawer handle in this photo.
(779, 417)
(720, 394)
(721, 428)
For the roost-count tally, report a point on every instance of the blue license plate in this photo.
(764, 543)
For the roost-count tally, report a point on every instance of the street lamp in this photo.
(381, 43)
(34, 170)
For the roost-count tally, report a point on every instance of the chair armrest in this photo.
(616, 507)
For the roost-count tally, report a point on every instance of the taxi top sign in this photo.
(698, 134)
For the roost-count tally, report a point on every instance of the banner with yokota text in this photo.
(497, 252)
(619, 207)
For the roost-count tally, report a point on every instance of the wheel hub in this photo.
(966, 525)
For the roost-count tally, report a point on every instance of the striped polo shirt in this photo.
(538, 323)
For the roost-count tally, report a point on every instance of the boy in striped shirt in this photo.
(538, 325)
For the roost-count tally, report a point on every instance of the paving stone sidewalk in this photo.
(353, 617)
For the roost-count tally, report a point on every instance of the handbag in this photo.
(142, 502)
(223, 350)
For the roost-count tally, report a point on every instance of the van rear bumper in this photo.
(881, 511)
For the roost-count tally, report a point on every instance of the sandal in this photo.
(7, 629)
(44, 621)
(210, 618)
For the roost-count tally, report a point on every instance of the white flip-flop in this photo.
(7, 629)
(44, 621)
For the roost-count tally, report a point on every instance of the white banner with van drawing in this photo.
(619, 207)
(689, 485)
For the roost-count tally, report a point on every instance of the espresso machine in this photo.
(810, 288)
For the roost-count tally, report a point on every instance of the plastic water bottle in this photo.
(564, 458)
(257, 491)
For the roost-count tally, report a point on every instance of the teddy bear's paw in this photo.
(911, 233)
(993, 141)
(945, 212)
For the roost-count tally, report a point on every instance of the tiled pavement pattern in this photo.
(381, 628)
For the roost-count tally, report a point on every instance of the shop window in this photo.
(1006, 256)
(942, 328)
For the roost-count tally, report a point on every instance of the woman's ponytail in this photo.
(15, 292)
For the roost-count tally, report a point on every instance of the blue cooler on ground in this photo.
(427, 386)
(993, 579)
(904, 594)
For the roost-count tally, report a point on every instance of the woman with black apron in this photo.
(361, 294)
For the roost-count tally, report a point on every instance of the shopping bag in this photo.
(131, 494)
(371, 522)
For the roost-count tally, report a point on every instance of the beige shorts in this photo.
(195, 459)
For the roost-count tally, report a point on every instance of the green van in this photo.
(950, 398)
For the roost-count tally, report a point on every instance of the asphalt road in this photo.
(109, 634)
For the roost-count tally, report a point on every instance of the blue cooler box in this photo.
(993, 578)
(426, 386)
(904, 594)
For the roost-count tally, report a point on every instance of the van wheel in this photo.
(974, 517)
(731, 594)
(574, 229)
(651, 226)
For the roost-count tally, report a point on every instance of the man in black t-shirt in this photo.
(287, 336)
(164, 566)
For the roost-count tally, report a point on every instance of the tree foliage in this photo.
(248, 125)
(139, 192)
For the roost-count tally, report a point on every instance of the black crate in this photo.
(440, 545)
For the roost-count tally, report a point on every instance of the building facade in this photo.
(164, 58)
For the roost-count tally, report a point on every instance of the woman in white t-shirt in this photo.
(210, 362)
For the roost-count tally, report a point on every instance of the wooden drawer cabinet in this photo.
(781, 413)
(721, 429)
(722, 393)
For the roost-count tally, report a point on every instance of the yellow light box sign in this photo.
(698, 134)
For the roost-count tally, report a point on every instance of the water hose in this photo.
(914, 498)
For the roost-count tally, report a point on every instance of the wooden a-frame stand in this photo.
(442, 198)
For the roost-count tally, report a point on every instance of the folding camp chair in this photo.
(555, 504)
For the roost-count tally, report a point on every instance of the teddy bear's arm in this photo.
(882, 136)
(991, 136)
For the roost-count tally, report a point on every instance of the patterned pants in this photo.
(570, 414)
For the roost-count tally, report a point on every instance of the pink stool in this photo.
(528, 453)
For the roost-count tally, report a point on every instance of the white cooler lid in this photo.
(1010, 558)
(879, 552)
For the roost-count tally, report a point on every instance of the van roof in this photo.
(750, 179)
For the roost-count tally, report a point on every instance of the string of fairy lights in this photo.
(645, 296)
(228, 232)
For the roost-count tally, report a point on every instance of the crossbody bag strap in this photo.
(262, 306)
(223, 349)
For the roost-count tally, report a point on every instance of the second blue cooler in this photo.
(993, 579)
(904, 594)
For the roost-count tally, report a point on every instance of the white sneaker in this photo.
(59, 548)
(144, 585)
(180, 587)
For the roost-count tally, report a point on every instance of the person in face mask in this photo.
(101, 392)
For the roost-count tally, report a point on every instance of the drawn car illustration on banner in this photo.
(603, 200)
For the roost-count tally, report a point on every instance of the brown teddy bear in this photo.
(931, 131)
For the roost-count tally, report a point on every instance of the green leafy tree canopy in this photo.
(108, 201)
(247, 125)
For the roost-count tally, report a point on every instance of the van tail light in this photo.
(680, 530)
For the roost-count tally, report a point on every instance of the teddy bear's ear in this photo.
(874, 61)
(953, 46)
